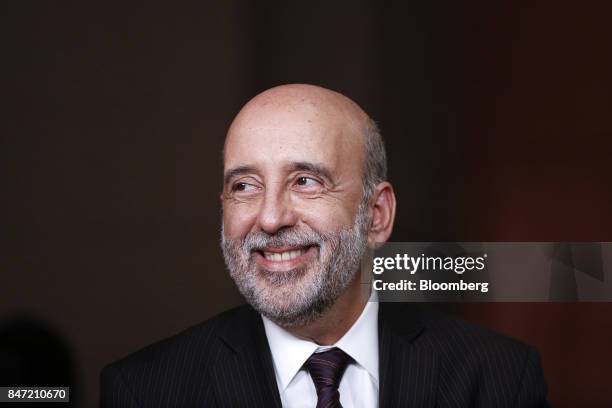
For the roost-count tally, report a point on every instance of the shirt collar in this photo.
(289, 352)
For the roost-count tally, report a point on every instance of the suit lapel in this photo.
(408, 369)
(244, 373)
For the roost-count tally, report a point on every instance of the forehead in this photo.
(276, 134)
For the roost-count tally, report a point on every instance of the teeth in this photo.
(283, 256)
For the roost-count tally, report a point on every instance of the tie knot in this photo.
(327, 368)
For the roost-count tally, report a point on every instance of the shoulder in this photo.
(474, 364)
(176, 363)
(196, 341)
(447, 335)
(493, 368)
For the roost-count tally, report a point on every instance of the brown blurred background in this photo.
(497, 117)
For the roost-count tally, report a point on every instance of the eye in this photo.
(307, 182)
(243, 187)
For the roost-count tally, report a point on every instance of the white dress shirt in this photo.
(359, 384)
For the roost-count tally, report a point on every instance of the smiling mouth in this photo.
(283, 256)
(284, 259)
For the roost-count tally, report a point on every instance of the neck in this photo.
(336, 321)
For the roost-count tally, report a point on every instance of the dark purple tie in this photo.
(326, 370)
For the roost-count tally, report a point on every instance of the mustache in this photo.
(257, 241)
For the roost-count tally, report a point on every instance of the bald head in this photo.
(316, 110)
(323, 103)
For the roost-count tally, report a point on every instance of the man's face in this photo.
(294, 226)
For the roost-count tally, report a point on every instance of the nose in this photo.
(276, 212)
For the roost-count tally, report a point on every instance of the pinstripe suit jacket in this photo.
(426, 360)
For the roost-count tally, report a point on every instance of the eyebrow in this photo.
(237, 171)
(314, 168)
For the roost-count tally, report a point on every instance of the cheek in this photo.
(327, 218)
(237, 221)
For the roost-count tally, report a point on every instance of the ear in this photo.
(382, 214)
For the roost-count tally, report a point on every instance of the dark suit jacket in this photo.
(426, 360)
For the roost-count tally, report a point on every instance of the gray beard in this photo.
(300, 296)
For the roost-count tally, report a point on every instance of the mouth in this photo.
(284, 258)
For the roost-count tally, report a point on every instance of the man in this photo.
(304, 196)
